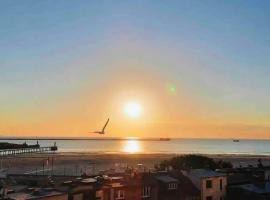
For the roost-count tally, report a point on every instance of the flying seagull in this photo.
(103, 129)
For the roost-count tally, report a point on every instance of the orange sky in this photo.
(164, 114)
(66, 67)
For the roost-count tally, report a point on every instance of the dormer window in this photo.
(172, 186)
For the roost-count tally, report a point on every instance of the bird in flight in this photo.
(103, 129)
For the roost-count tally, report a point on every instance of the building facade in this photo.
(212, 185)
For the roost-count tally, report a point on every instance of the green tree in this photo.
(187, 162)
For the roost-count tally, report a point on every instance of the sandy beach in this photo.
(92, 163)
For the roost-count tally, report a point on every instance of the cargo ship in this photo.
(164, 139)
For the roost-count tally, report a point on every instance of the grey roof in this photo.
(89, 180)
(28, 196)
(260, 189)
(204, 173)
(166, 179)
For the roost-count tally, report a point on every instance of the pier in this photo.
(18, 151)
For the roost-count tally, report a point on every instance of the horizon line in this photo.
(117, 138)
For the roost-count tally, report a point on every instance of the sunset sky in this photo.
(193, 68)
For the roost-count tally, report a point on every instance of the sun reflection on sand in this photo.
(132, 146)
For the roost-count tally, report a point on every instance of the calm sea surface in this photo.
(204, 146)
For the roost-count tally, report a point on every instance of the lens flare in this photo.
(171, 89)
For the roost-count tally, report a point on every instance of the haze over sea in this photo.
(178, 146)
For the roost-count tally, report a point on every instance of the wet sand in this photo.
(93, 163)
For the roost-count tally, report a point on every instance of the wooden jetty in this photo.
(18, 151)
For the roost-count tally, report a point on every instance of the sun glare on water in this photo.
(131, 146)
(133, 109)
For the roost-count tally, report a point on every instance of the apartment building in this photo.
(212, 185)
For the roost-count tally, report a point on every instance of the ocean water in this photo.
(178, 146)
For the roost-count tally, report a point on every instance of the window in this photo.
(220, 198)
(220, 184)
(99, 194)
(78, 196)
(120, 194)
(146, 191)
(172, 186)
(209, 198)
(208, 184)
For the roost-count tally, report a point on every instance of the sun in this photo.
(133, 109)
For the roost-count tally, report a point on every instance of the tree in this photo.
(187, 162)
(224, 164)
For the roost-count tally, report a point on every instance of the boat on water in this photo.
(164, 139)
(236, 140)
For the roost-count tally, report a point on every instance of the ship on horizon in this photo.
(165, 139)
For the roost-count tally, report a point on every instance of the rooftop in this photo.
(24, 195)
(261, 188)
(195, 175)
(204, 173)
(166, 179)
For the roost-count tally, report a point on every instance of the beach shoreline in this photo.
(76, 163)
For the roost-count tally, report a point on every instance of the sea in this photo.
(152, 146)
